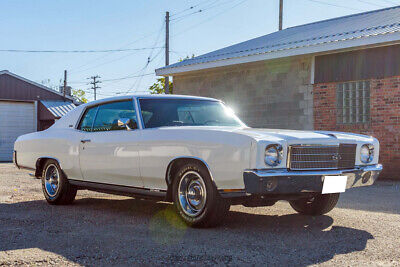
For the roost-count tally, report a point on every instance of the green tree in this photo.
(80, 95)
(158, 87)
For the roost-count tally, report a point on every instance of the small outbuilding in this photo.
(26, 106)
(341, 74)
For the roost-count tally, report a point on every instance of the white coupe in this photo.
(196, 153)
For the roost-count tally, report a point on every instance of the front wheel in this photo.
(196, 198)
(56, 188)
(316, 205)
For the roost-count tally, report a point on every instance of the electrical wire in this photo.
(335, 5)
(190, 8)
(138, 82)
(115, 79)
(370, 3)
(391, 2)
(211, 6)
(210, 18)
(76, 51)
(126, 45)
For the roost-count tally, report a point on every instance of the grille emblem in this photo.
(336, 157)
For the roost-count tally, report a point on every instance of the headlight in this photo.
(367, 153)
(273, 155)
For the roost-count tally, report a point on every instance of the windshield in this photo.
(186, 112)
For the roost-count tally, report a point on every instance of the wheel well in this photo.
(39, 166)
(172, 169)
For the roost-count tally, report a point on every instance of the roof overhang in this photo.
(323, 48)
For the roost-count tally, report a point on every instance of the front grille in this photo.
(305, 157)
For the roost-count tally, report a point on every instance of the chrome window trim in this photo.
(172, 98)
(100, 104)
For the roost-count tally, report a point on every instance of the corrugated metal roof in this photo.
(58, 108)
(353, 27)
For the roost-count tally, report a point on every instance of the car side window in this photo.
(87, 120)
(108, 115)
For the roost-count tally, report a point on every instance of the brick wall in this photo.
(384, 123)
(271, 94)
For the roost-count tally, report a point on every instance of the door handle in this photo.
(85, 141)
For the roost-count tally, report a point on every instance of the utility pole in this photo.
(166, 89)
(65, 83)
(280, 14)
(94, 84)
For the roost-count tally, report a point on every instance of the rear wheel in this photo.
(196, 198)
(55, 185)
(316, 205)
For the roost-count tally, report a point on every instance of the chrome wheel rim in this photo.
(192, 193)
(51, 180)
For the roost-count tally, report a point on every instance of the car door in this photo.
(109, 149)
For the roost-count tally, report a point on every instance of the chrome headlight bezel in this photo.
(273, 155)
(367, 153)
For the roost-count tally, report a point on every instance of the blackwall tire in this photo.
(196, 198)
(318, 205)
(55, 185)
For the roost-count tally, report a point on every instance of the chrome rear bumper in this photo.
(283, 181)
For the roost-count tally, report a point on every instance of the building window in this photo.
(352, 102)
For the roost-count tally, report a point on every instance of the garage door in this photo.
(16, 118)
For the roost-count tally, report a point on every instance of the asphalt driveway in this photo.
(101, 229)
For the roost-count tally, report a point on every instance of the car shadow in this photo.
(129, 231)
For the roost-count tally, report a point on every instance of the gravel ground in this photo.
(101, 230)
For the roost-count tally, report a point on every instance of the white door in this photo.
(16, 118)
(109, 153)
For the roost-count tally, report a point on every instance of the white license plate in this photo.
(334, 184)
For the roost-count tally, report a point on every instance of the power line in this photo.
(191, 8)
(107, 62)
(210, 18)
(137, 83)
(149, 60)
(126, 45)
(76, 51)
(115, 79)
(370, 3)
(391, 2)
(211, 6)
(335, 5)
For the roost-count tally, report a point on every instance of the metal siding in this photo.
(16, 118)
(13, 88)
(374, 63)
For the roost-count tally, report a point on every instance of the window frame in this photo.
(77, 127)
(143, 127)
(365, 99)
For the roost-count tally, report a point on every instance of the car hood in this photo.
(294, 136)
(282, 135)
(289, 136)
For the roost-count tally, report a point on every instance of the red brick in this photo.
(384, 114)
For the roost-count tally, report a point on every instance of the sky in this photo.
(137, 27)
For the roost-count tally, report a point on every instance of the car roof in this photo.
(147, 96)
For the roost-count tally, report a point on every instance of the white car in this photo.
(195, 152)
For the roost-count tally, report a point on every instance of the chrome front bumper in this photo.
(283, 181)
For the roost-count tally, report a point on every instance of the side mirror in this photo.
(124, 122)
